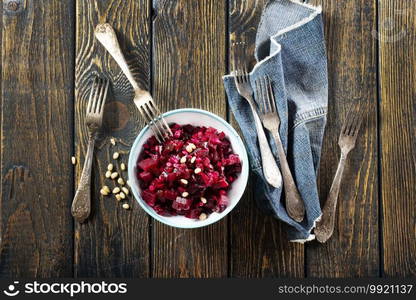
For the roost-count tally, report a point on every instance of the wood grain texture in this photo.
(396, 38)
(353, 250)
(189, 60)
(36, 139)
(259, 247)
(113, 242)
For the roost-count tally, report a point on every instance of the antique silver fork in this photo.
(81, 205)
(271, 121)
(349, 132)
(142, 99)
(270, 169)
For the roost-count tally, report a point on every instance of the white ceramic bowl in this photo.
(194, 117)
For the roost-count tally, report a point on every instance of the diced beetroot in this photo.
(172, 187)
(147, 164)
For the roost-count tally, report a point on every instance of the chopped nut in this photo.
(114, 175)
(126, 206)
(122, 166)
(113, 141)
(116, 190)
(103, 192)
(116, 155)
(185, 194)
(183, 160)
(108, 174)
(110, 167)
(73, 160)
(193, 159)
(184, 181)
(197, 170)
(118, 198)
(189, 148)
(122, 195)
(120, 181)
(202, 216)
(125, 190)
(203, 200)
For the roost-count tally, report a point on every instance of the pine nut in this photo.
(116, 190)
(197, 170)
(125, 190)
(116, 155)
(103, 192)
(185, 194)
(120, 181)
(106, 188)
(193, 146)
(184, 181)
(183, 160)
(202, 216)
(118, 198)
(203, 200)
(126, 206)
(110, 167)
(108, 174)
(122, 166)
(193, 159)
(189, 148)
(114, 175)
(73, 160)
(113, 141)
(128, 182)
(122, 195)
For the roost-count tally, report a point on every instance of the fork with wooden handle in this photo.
(142, 99)
(81, 205)
(349, 132)
(269, 116)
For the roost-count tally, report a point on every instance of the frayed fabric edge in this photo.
(317, 11)
(311, 237)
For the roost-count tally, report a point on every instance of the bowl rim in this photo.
(244, 172)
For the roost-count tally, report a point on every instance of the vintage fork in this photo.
(142, 99)
(271, 121)
(349, 132)
(270, 169)
(81, 205)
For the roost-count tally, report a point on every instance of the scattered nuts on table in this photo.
(126, 206)
(103, 192)
(116, 155)
(122, 167)
(110, 167)
(125, 190)
(122, 195)
(106, 188)
(118, 198)
(108, 174)
(113, 141)
(128, 182)
(120, 181)
(116, 190)
(114, 175)
(73, 160)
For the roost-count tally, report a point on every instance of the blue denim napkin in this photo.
(290, 49)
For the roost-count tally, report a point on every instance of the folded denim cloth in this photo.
(290, 49)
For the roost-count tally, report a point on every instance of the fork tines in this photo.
(154, 118)
(98, 94)
(264, 95)
(353, 121)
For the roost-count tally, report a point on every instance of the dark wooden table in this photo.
(180, 50)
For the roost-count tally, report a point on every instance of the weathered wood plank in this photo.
(353, 250)
(113, 242)
(189, 60)
(396, 38)
(259, 247)
(36, 139)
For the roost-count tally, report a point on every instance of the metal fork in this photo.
(349, 132)
(81, 205)
(271, 121)
(142, 99)
(242, 81)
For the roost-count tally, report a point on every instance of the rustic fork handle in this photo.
(81, 205)
(108, 38)
(294, 203)
(325, 227)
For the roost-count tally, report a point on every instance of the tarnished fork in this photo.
(349, 132)
(143, 100)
